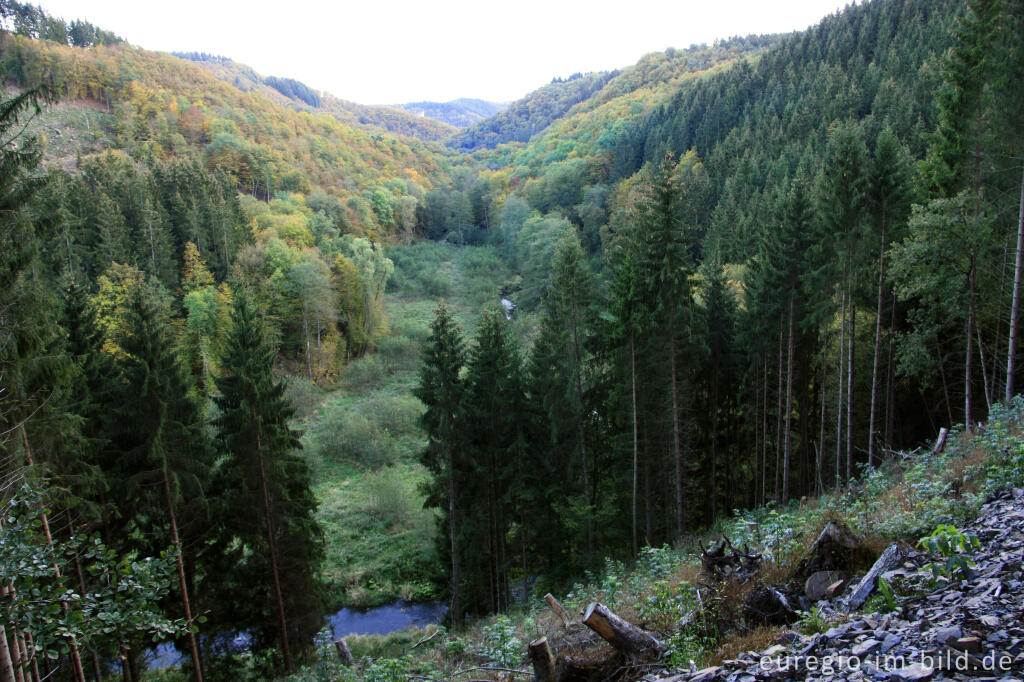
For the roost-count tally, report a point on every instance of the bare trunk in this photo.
(890, 372)
(984, 370)
(821, 435)
(17, 658)
(180, 561)
(578, 357)
(636, 439)
(789, 404)
(779, 420)
(6, 660)
(839, 392)
(878, 345)
(76, 660)
(1011, 350)
(968, 406)
(97, 667)
(675, 431)
(272, 547)
(764, 433)
(945, 384)
(305, 331)
(851, 338)
(456, 604)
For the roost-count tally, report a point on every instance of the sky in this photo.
(397, 51)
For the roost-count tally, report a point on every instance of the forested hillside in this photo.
(297, 94)
(460, 112)
(241, 382)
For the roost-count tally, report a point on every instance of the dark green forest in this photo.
(743, 275)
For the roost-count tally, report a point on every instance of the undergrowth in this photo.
(904, 498)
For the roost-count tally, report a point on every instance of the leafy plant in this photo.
(501, 644)
(952, 544)
(885, 590)
(812, 622)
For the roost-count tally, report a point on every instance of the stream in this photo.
(378, 620)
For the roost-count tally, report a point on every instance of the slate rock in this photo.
(817, 586)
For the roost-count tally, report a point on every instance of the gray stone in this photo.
(943, 635)
(817, 585)
(889, 642)
(866, 647)
(892, 556)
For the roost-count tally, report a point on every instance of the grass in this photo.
(362, 437)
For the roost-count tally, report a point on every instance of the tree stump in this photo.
(543, 660)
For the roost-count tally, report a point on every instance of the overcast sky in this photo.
(389, 52)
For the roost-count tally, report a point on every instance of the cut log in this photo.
(620, 633)
(543, 660)
(559, 610)
(891, 557)
(344, 653)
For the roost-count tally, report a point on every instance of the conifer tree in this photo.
(441, 390)
(269, 503)
(666, 264)
(492, 479)
(164, 453)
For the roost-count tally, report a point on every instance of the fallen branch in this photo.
(426, 639)
(524, 673)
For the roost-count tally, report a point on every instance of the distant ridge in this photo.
(461, 113)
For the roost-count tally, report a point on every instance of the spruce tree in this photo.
(164, 453)
(269, 506)
(441, 390)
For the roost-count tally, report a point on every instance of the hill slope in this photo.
(460, 112)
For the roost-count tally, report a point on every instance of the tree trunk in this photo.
(779, 421)
(76, 660)
(17, 660)
(180, 561)
(675, 431)
(636, 439)
(968, 406)
(984, 370)
(764, 433)
(543, 661)
(1011, 350)
(97, 667)
(456, 603)
(344, 653)
(878, 344)
(890, 380)
(851, 339)
(305, 331)
(839, 392)
(789, 404)
(578, 357)
(820, 485)
(6, 661)
(714, 446)
(272, 547)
